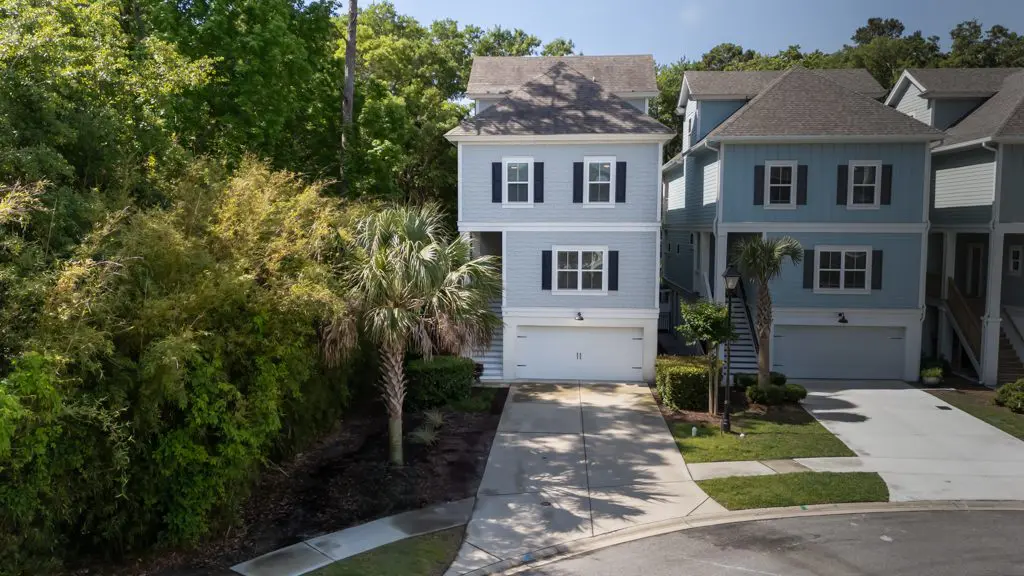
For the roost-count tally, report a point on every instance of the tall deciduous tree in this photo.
(559, 47)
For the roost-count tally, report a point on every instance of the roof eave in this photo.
(905, 77)
(816, 139)
(934, 95)
(961, 145)
(656, 138)
(503, 93)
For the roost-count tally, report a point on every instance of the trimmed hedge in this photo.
(438, 381)
(682, 382)
(774, 394)
(746, 380)
(1012, 396)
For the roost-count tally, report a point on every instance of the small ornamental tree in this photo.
(708, 323)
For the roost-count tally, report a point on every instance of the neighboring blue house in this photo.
(559, 176)
(813, 155)
(976, 247)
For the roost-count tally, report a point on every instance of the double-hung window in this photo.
(600, 176)
(518, 184)
(864, 189)
(581, 269)
(842, 269)
(780, 184)
(1016, 262)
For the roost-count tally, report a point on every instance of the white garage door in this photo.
(570, 353)
(843, 352)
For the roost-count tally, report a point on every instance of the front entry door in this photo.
(975, 270)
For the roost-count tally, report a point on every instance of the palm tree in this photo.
(760, 260)
(411, 287)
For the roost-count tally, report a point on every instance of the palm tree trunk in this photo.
(393, 386)
(764, 332)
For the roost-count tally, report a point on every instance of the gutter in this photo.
(702, 145)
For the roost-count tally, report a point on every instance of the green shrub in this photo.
(774, 395)
(932, 372)
(794, 393)
(682, 382)
(746, 380)
(1011, 396)
(438, 381)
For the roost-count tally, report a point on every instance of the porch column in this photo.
(991, 321)
(948, 271)
(721, 259)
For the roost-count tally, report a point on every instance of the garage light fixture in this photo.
(579, 316)
(842, 318)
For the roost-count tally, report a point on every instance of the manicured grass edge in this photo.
(428, 554)
(797, 489)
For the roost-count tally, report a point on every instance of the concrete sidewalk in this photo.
(574, 461)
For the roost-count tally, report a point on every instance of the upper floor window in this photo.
(842, 269)
(600, 174)
(780, 183)
(518, 183)
(580, 269)
(1016, 263)
(865, 185)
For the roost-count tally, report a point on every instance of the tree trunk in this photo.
(764, 332)
(349, 93)
(393, 387)
(712, 401)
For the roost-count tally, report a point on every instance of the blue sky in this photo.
(671, 29)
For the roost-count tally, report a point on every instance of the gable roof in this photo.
(500, 75)
(748, 84)
(809, 103)
(1000, 116)
(561, 101)
(959, 82)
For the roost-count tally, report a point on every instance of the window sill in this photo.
(579, 292)
(863, 207)
(780, 206)
(841, 291)
(517, 205)
(599, 205)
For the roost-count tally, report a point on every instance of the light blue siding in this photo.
(637, 261)
(822, 161)
(690, 124)
(901, 273)
(1013, 286)
(643, 183)
(679, 254)
(912, 104)
(638, 103)
(711, 113)
(693, 192)
(947, 112)
(1011, 205)
(964, 187)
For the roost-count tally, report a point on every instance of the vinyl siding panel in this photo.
(637, 278)
(679, 258)
(690, 121)
(638, 103)
(964, 184)
(711, 113)
(822, 161)
(901, 273)
(675, 182)
(947, 112)
(643, 183)
(912, 104)
(1011, 205)
(710, 183)
(694, 204)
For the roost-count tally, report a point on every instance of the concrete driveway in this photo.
(924, 448)
(574, 461)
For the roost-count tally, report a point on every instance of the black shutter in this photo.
(759, 185)
(801, 185)
(496, 182)
(620, 182)
(577, 182)
(842, 181)
(545, 270)
(886, 184)
(538, 182)
(876, 270)
(613, 270)
(809, 269)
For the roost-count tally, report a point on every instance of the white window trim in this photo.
(587, 160)
(579, 280)
(877, 164)
(842, 273)
(1016, 253)
(504, 182)
(793, 164)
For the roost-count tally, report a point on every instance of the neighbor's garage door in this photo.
(843, 352)
(571, 353)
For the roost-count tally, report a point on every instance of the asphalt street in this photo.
(891, 544)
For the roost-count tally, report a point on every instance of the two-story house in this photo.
(559, 176)
(976, 250)
(811, 154)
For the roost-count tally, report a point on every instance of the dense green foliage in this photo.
(775, 394)
(682, 382)
(744, 380)
(707, 323)
(1011, 396)
(438, 381)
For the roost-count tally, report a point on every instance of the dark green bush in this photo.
(682, 382)
(1012, 396)
(794, 393)
(774, 395)
(746, 380)
(438, 381)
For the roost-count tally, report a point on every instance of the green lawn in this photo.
(743, 492)
(979, 403)
(785, 432)
(427, 555)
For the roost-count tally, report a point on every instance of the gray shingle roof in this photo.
(1000, 115)
(803, 102)
(940, 82)
(618, 74)
(561, 101)
(747, 84)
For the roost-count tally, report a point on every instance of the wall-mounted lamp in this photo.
(579, 316)
(842, 318)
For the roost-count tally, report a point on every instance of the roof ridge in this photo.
(746, 107)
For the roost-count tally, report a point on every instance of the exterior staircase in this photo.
(744, 351)
(493, 357)
(1011, 368)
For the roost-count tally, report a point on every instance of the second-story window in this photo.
(580, 269)
(864, 188)
(600, 173)
(780, 184)
(843, 269)
(519, 181)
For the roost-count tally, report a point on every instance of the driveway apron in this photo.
(575, 460)
(924, 448)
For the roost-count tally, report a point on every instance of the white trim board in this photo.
(606, 313)
(811, 139)
(559, 227)
(561, 138)
(854, 316)
(861, 227)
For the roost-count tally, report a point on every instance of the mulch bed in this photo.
(343, 480)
